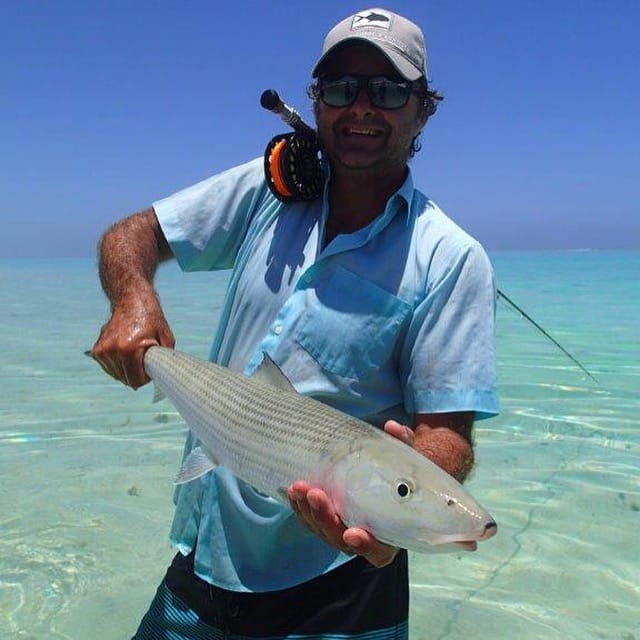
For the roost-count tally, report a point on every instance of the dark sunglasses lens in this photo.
(387, 94)
(339, 93)
(382, 92)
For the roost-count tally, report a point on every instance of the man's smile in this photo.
(362, 131)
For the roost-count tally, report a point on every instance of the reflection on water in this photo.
(42, 573)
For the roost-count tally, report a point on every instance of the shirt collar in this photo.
(399, 203)
(405, 192)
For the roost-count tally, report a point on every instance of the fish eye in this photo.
(404, 489)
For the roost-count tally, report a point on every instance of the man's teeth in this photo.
(362, 132)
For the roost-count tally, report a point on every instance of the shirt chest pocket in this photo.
(350, 325)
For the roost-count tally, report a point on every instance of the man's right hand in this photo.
(133, 327)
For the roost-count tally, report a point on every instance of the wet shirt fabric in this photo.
(391, 320)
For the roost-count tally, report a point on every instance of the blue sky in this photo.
(109, 105)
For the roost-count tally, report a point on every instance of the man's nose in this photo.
(362, 103)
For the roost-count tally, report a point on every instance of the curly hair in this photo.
(430, 99)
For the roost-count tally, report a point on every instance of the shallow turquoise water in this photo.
(86, 465)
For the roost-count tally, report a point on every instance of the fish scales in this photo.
(253, 418)
(270, 437)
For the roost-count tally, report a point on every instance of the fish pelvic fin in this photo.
(270, 373)
(196, 464)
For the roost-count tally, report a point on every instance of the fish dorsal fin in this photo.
(196, 464)
(270, 373)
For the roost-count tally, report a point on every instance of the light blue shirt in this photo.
(392, 320)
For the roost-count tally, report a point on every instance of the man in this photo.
(369, 298)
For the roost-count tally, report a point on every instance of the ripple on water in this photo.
(37, 580)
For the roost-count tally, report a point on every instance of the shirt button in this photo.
(277, 329)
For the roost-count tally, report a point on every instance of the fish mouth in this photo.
(467, 543)
(470, 545)
(490, 530)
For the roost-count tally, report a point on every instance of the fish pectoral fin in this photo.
(196, 464)
(270, 373)
(157, 394)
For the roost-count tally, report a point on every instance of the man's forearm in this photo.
(446, 440)
(448, 449)
(129, 254)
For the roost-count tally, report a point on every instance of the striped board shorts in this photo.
(355, 601)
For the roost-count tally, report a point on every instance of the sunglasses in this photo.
(342, 91)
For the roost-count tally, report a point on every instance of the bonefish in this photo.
(269, 436)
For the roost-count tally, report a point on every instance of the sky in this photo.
(109, 105)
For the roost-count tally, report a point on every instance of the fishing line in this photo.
(527, 317)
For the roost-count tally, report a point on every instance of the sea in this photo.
(86, 464)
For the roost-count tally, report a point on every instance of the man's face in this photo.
(362, 137)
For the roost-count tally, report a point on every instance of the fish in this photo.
(269, 436)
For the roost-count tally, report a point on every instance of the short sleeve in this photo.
(206, 223)
(448, 361)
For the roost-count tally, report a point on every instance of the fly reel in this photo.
(292, 167)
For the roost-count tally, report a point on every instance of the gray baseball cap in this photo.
(398, 38)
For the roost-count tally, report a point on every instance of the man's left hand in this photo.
(314, 507)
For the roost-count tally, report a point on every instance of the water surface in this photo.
(86, 465)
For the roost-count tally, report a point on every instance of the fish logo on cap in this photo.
(371, 19)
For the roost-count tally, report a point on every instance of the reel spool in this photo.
(292, 167)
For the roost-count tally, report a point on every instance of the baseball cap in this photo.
(399, 39)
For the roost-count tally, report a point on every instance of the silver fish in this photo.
(269, 436)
